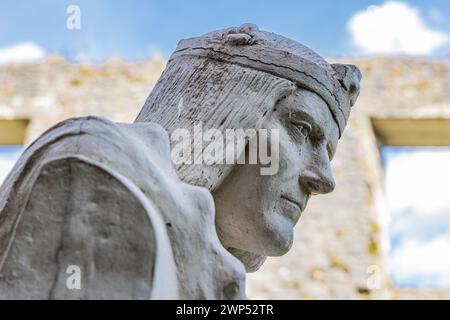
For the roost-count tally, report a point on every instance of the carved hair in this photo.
(219, 95)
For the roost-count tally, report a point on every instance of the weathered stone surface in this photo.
(78, 214)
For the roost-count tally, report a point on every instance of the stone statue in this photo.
(98, 210)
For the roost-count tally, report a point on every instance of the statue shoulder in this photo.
(82, 216)
(67, 205)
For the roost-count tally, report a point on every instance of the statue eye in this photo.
(301, 129)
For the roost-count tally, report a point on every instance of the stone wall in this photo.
(340, 235)
(54, 90)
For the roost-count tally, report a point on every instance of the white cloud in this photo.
(394, 28)
(422, 264)
(26, 51)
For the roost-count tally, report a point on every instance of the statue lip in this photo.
(300, 205)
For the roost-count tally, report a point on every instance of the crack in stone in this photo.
(262, 62)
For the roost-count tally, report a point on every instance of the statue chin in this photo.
(251, 261)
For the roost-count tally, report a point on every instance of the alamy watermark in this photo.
(73, 281)
(73, 21)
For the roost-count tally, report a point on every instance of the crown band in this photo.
(304, 73)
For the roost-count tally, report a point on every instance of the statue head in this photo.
(245, 78)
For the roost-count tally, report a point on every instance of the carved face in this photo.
(256, 214)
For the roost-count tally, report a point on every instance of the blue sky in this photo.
(8, 156)
(137, 29)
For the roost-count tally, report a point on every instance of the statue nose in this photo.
(319, 181)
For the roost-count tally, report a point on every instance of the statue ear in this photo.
(349, 77)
